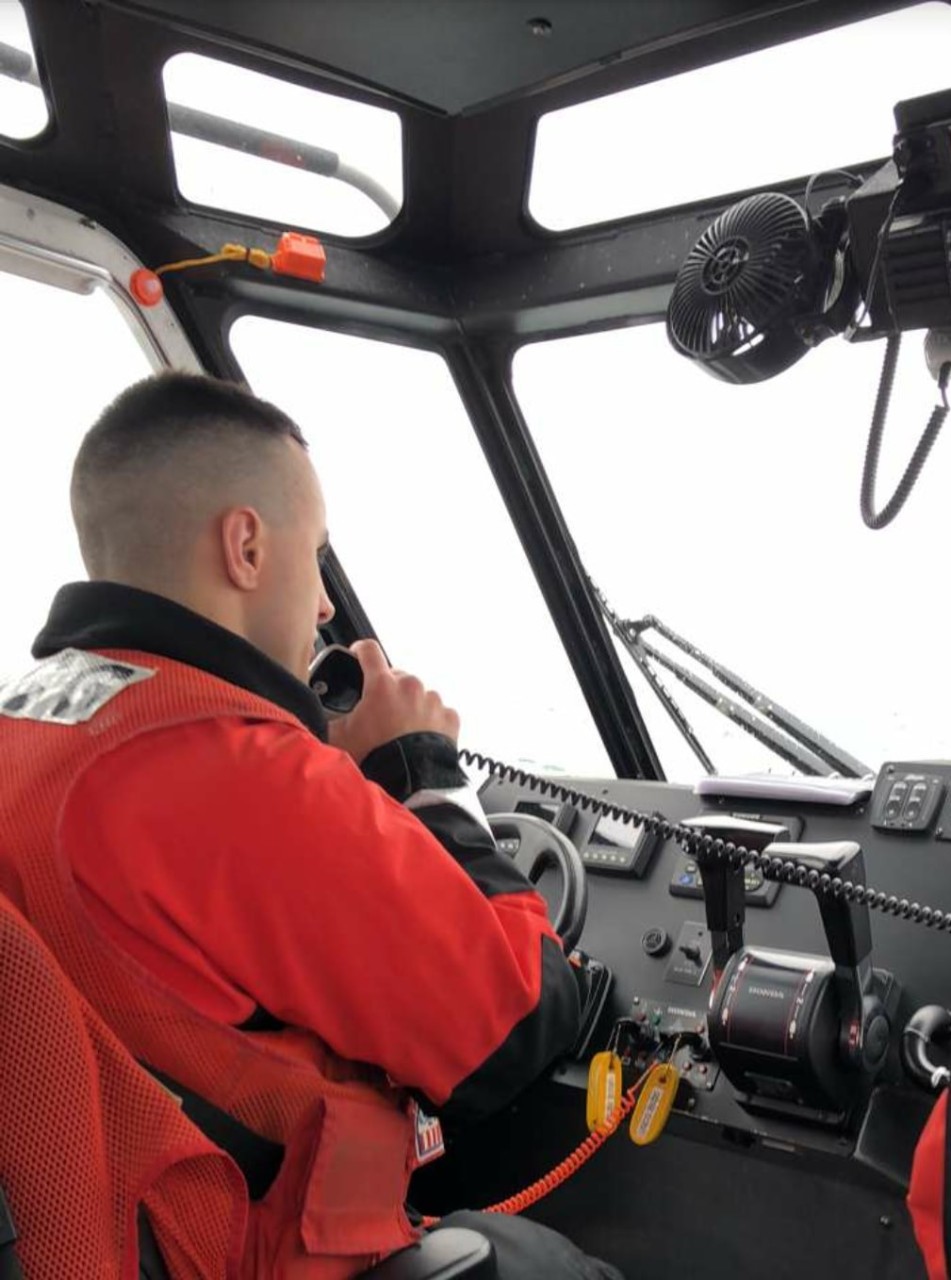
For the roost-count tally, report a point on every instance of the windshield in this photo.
(728, 514)
(732, 514)
(293, 155)
(86, 339)
(23, 111)
(424, 537)
(757, 126)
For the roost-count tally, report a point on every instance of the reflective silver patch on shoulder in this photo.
(68, 688)
(465, 797)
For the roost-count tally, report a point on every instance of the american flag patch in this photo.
(429, 1140)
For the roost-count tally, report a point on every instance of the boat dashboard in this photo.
(760, 1046)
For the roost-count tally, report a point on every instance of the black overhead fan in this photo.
(751, 290)
(768, 280)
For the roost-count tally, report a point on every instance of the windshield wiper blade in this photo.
(785, 747)
(666, 698)
(837, 758)
(763, 718)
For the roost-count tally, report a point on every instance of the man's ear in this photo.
(242, 546)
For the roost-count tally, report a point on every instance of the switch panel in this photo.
(686, 883)
(690, 955)
(906, 799)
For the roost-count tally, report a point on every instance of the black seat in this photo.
(442, 1255)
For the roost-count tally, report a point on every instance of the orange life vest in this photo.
(86, 1136)
(348, 1135)
(929, 1201)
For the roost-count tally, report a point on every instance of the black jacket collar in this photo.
(105, 615)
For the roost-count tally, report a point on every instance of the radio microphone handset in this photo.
(336, 679)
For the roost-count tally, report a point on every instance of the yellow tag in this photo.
(654, 1102)
(604, 1090)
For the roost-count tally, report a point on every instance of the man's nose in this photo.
(326, 609)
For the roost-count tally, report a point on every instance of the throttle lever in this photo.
(865, 1027)
(724, 891)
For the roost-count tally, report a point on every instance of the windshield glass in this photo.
(66, 355)
(732, 514)
(23, 111)
(741, 123)
(423, 534)
(292, 155)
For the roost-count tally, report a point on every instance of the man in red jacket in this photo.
(336, 879)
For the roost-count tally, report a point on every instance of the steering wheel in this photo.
(540, 845)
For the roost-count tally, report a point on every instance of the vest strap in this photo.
(259, 1159)
(9, 1266)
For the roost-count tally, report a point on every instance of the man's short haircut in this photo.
(152, 415)
(163, 448)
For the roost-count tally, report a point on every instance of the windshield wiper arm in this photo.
(762, 717)
(666, 698)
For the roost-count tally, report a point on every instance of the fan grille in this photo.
(749, 271)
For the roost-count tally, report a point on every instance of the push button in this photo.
(907, 801)
(896, 798)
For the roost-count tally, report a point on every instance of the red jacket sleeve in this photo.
(251, 865)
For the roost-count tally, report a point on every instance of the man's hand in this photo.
(392, 705)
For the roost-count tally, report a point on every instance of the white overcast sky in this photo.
(732, 513)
